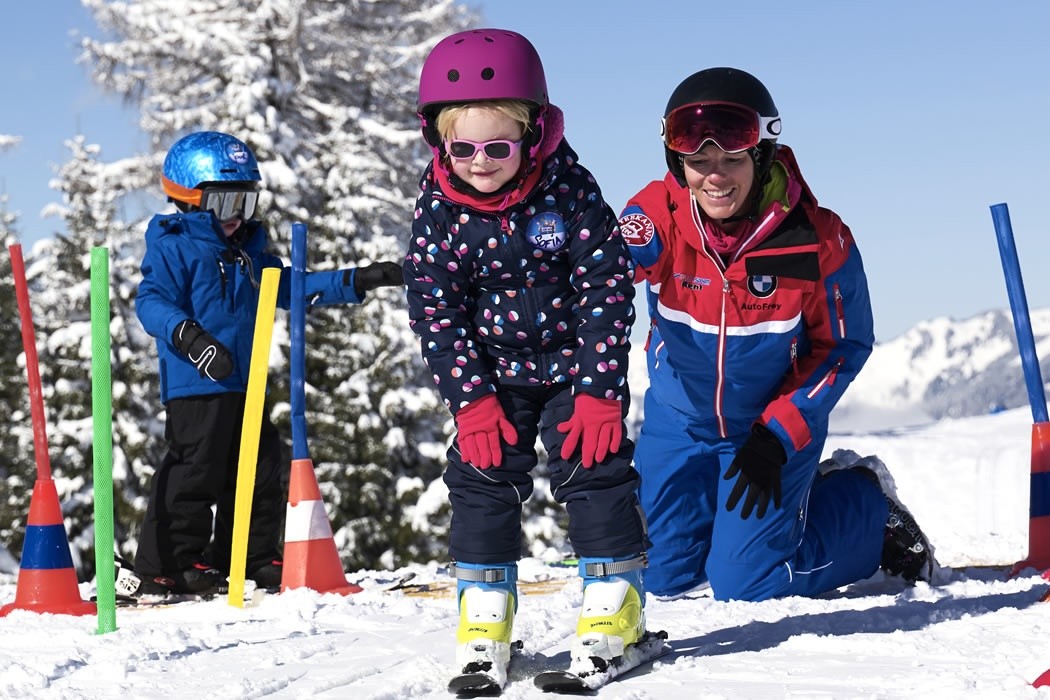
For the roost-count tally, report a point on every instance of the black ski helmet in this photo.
(734, 86)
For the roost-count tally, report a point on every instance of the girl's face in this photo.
(720, 181)
(481, 125)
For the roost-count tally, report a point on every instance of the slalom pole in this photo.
(1039, 499)
(36, 396)
(297, 398)
(102, 455)
(251, 429)
(311, 559)
(47, 580)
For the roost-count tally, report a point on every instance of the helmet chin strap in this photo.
(749, 211)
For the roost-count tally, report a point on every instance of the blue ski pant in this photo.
(602, 502)
(827, 533)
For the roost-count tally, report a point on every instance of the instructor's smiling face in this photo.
(720, 181)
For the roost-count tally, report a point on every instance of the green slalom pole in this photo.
(101, 411)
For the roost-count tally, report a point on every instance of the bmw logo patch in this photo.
(761, 286)
(546, 231)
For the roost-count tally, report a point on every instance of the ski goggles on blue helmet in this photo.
(731, 127)
(229, 204)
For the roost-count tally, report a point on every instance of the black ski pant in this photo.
(199, 472)
(605, 519)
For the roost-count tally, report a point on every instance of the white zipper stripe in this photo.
(757, 230)
(824, 380)
(677, 316)
(722, 431)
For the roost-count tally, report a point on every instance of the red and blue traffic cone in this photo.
(47, 581)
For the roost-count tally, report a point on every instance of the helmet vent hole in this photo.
(488, 74)
(453, 75)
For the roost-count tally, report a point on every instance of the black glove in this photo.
(381, 274)
(758, 464)
(211, 357)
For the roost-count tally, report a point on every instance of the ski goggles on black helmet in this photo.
(731, 127)
(229, 204)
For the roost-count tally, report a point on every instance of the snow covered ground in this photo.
(973, 633)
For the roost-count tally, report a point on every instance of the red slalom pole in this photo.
(47, 581)
(36, 396)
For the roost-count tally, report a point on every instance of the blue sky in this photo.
(909, 119)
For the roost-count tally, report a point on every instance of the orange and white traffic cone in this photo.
(47, 581)
(310, 557)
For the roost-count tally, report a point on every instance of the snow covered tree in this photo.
(17, 456)
(59, 275)
(324, 93)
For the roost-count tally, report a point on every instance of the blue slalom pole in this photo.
(311, 559)
(1019, 307)
(297, 398)
(1039, 494)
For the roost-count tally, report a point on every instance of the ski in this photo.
(650, 647)
(174, 599)
(476, 681)
(474, 685)
(399, 584)
(447, 588)
(161, 601)
(409, 584)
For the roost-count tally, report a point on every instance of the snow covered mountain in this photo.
(944, 368)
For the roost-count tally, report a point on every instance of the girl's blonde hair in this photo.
(512, 109)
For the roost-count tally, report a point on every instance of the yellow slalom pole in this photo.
(250, 431)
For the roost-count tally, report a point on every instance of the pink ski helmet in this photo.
(479, 65)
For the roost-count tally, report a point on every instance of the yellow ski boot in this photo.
(613, 614)
(487, 601)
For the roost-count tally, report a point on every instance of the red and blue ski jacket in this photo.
(539, 293)
(775, 334)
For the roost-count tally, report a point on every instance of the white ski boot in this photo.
(487, 600)
(613, 613)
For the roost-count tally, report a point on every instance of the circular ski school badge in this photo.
(637, 229)
(546, 231)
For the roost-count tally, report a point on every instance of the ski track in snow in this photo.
(872, 639)
(973, 633)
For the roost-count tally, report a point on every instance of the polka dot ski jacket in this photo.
(540, 293)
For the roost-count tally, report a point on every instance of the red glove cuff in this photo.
(591, 408)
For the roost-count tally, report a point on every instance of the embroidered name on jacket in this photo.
(546, 231)
(690, 282)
